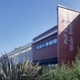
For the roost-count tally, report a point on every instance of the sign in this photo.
(68, 33)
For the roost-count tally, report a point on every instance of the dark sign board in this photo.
(68, 34)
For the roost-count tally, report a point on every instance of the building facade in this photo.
(68, 34)
(45, 47)
(60, 43)
(21, 54)
(54, 45)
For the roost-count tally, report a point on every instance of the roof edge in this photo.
(67, 8)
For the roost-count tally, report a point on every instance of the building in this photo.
(68, 34)
(21, 54)
(45, 47)
(59, 43)
(54, 45)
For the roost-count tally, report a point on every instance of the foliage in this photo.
(28, 71)
(24, 71)
(65, 72)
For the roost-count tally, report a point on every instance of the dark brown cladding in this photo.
(47, 52)
(68, 34)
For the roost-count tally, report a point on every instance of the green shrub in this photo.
(27, 71)
(64, 72)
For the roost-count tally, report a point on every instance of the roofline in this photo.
(44, 32)
(22, 47)
(55, 31)
(67, 8)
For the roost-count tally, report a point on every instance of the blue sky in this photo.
(22, 20)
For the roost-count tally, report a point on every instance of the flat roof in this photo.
(44, 33)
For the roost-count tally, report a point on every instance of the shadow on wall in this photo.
(69, 34)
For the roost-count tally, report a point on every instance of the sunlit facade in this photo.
(21, 54)
(55, 45)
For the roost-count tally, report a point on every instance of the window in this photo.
(40, 46)
(46, 43)
(50, 42)
(43, 45)
(37, 47)
(54, 40)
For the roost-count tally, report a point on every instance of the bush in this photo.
(24, 71)
(27, 71)
(65, 72)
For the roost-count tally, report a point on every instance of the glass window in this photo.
(50, 42)
(37, 47)
(54, 40)
(40, 46)
(43, 45)
(46, 44)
